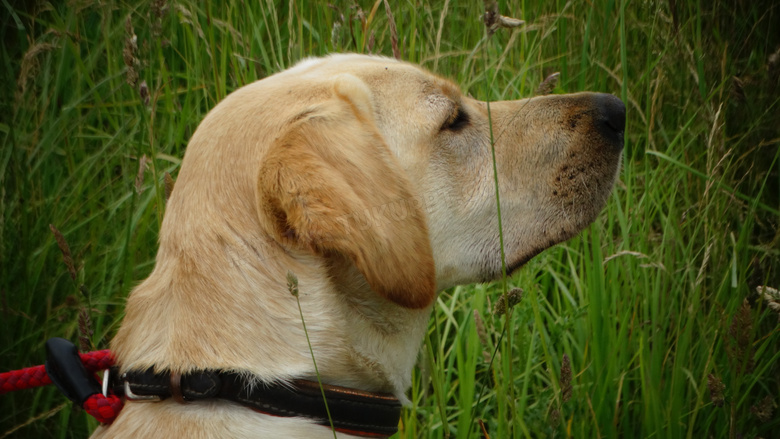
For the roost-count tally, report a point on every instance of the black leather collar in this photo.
(353, 411)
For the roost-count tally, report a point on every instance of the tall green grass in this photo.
(654, 305)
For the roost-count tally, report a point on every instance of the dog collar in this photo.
(354, 412)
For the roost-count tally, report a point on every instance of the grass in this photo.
(654, 305)
(292, 285)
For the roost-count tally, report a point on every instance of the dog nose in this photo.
(612, 117)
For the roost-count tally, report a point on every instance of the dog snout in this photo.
(611, 120)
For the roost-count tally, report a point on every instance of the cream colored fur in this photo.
(344, 171)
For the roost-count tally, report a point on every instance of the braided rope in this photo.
(104, 408)
(27, 378)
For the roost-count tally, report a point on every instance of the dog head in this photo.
(392, 166)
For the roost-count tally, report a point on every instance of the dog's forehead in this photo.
(380, 73)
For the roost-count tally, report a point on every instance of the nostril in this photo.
(610, 118)
(613, 111)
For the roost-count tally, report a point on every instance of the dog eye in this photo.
(456, 121)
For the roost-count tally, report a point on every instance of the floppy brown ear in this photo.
(331, 184)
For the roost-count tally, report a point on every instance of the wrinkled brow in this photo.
(448, 88)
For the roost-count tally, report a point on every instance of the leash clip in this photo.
(67, 372)
(106, 381)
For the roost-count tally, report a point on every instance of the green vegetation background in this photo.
(648, 324)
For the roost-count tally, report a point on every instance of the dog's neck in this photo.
(250, 321)
(383, 337)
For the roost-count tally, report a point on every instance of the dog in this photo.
(365, 185)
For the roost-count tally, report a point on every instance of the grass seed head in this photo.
(494, 20)
(143, 92)
(393, 31)
(334, 34)
(566, 387)
(773, 64)
(482, 334)
(508, 301)
(740, 348)
(491, 16)
(67, 257)
(85, 330)
(139, 177)
(292, 283)
(555, 418)
(548, 85)
(738, 89)
(771, 296)
(371, 42)
(169, 183)
(159, 9)
(129, 52)
(764, 409)
(30, 64)
(716, 387)
(360, 16)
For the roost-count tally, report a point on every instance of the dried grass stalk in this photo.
(393, 32)
(566, 387)
(67, 257)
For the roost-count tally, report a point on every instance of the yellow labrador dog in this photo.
(371, 181)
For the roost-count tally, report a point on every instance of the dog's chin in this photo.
(519, 263)
(495, 272)
(520, 258)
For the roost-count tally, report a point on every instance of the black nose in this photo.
(612, 117)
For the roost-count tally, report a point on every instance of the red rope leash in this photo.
(36, 376)
(27, 378)
(104, 408)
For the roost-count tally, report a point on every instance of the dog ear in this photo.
(331, 184)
